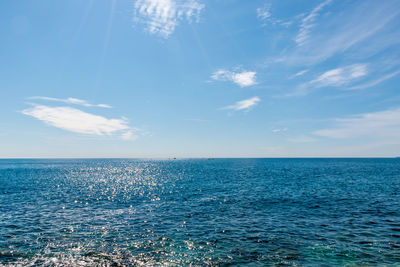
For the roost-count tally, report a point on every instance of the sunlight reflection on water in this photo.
(217, 212)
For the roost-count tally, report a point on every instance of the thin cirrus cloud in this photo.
(340, 76)
(265, 16)
(382, 125)
(359, 26)
(70, 100)
(375, 82)
(279, 130)
(161, 17)
(77, 121)
(244, 104)
(308, 22)
(243, 79)
(298, 74)
(263, 13)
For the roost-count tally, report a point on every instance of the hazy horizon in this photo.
(195, 158)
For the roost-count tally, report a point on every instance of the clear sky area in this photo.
(199, 78)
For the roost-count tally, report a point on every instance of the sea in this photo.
(200, 212)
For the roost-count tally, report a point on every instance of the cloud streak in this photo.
(359, 25)
(375, 82)
(265, 16)
(298, 74)
(383, 125)
(263, 13)
(308, 22)
(340, 76)
(279, 130)
(244, 104)
(77, 121)
(161, 17)
(70, 100)
(243, 79)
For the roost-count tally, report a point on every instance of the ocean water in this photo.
(219, 212)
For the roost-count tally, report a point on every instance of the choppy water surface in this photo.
(200, 212)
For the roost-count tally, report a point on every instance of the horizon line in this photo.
(179, 158)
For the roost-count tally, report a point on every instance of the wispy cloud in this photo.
(243, 79)
(383, 125)
(336, 77)
(70, 100)
(265, 16)
(300, 73)
(340, 76)
(279, 130)
(359, 25)
(264, 13)
(161, 17)
(244, 104)
(77, 121)
(375, 82)
(129, 135)
(308, 22)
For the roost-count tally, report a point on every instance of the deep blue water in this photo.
(295, 212)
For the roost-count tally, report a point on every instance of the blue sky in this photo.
(199, 78)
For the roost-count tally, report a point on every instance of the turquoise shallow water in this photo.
(254, 212)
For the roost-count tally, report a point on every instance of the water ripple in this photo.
(200, 212)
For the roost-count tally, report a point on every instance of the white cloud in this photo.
(75, 120)
(244, 104)
(243, 79)
(264, 13)
(383, 125)
(336, 77)
(162, 16)
(279, 130)
(300, 73)
(360, 25)
(308, 23)
(340, 76)
(71, 100)
(375, 82)
(129, 135)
